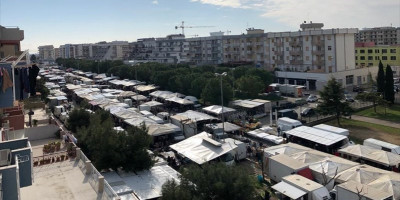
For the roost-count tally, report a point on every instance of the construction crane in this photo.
(182, 26)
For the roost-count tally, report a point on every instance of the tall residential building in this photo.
(142, 49)
(250, 47)
(379, 35)
(369, 54)
(206, 50)
(46, 53)
(10, 41)
(172, 49)
(67, 51)
(57, 53)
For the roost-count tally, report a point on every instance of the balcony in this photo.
(278, 53)
(296, 62)
(278, 44)
(318, 52)
(295, 52)
(318, 43)
(279, 62)
(294, 43)
(318, 62)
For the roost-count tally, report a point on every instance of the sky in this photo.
(60, 22)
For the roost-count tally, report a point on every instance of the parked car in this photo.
(349, 98)
(288, 105)
(312, 98)
(290, 113)
(300, 102)
(307, 112)
(358, 89)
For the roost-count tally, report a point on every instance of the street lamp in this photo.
(132, 62)
(222, 100)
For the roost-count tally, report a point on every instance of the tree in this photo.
(389, 85)
(380, 79)
(373, 97)
(212, 92)
(108, 148)
(78, 118)
(251, 86)
(211, 181)
(333, 100)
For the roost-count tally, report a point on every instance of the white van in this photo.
(385, 146)
(285, 123)
(58, 110)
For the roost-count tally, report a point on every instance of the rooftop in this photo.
(60, 180)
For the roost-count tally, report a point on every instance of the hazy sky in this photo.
(86, 21)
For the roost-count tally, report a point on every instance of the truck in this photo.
(290, 113)
(285, 123)
(291, 90)
(385, 146)
(58, 110)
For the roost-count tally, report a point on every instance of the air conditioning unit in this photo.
(5, 157)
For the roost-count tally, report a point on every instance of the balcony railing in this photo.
(294, 43)
(278, 53)
(296, 62)
(279, 62)
(295, 52)
(318, 62)
(318, 42)
(318, 52)
(278, 44)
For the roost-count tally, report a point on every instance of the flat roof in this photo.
(288, 161)
(302, 182)
(60, 180)
(316, 135)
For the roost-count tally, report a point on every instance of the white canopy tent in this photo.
(139, 121)
(218, 110)
(316, 135)
(333, 129)
(289, 190)
(363, 174)
(201, 148)
(162, 129)
(389, 184)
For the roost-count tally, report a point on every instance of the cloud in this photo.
(155, 2)
(333, 13)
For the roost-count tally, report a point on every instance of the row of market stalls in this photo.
(338, 175)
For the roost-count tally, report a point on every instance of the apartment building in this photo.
(46, 53)
(206, 50)
(142, 49)
(57, 53)
(67, 51)
(10, 41)
(379, 35)
(250, 47)
(172, 49)
(369, 55)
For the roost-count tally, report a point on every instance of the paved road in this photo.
(376, 121)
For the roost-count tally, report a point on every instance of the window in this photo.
(307, 57)
(307, 48)
(287, 57)
(273, 57)
(306, 38)
(369, 50)
(330, 58)
(329, 48)
(330, 69)
(392, 50)
(287, 39)
(273, 49)
(362, 57)
(362, 51)
(349, 80)
(272, 40)
(370, 57)
(376, 57)
(370, 64)
(384, 50)
(356, 57)
(356, 50)
(392, 57)
(287, 48)
(384, 57)
(329, 37)
(376, 50)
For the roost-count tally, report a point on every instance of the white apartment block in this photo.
(379, 35)
(206, 50)
(46, 53)
(116, 50)
(172, 49)
(142, 49)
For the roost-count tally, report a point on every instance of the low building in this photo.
(10, 41)
(369, 54)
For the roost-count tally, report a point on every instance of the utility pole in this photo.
(222, 100)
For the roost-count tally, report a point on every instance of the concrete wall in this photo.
(24, 165)
(9, 182)
(41, 132)
(14, 144)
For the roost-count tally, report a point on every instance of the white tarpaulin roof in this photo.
(125, 113)
(162, 129)
(161, 94)
(246, 103)
(367, 192)
(73, 87)
(383, 144)
(144, 88)
(289, 190)
(330, 165)
(199, 150)
(357, 150)
(139, 121)
(108, 107)
(309, 156)
(287, 149)
(126, 94)
(363, 174)
(138, 97)
(318, 136)
(195, 116)
(384, 157)
(228, 127)
(218, 109)
(152, 103)
(179, 100)
(389, 184)
(333, 129)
